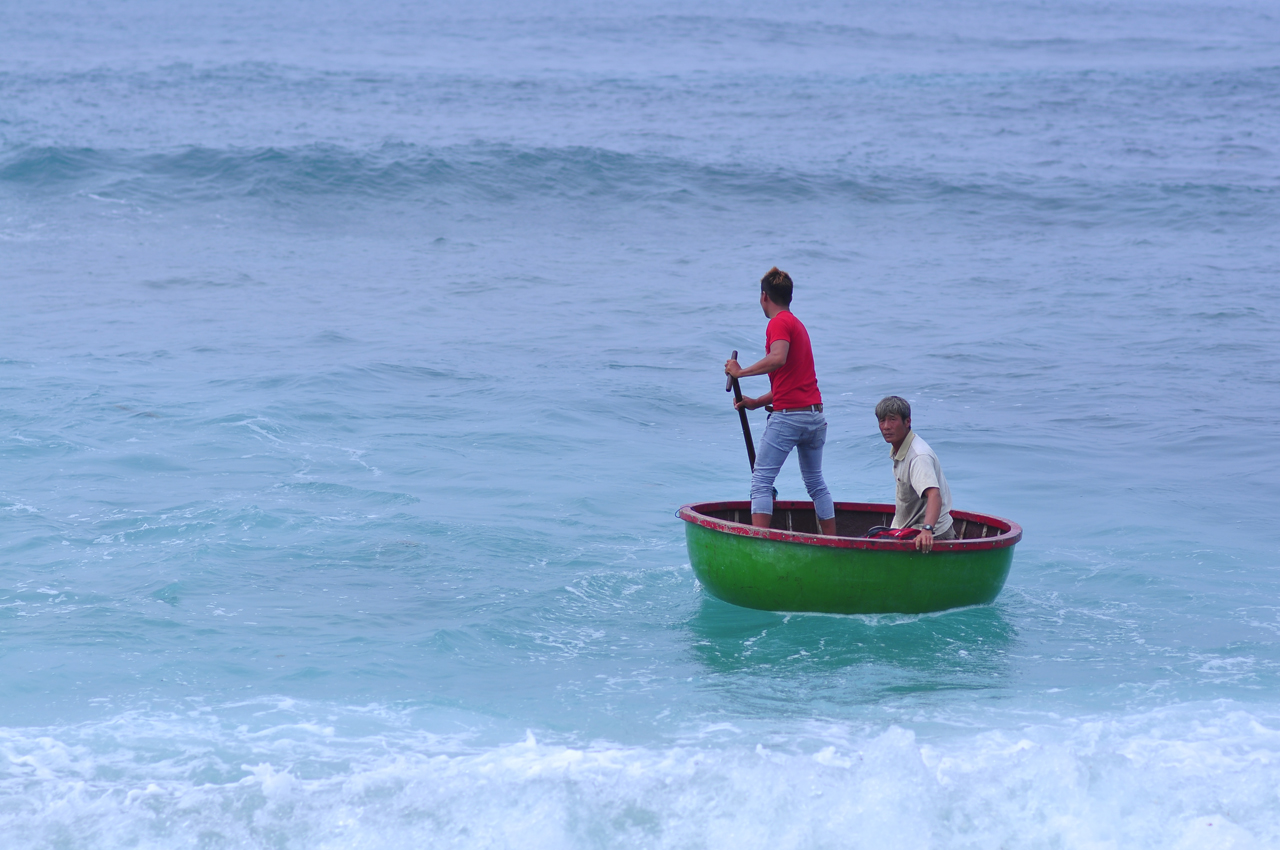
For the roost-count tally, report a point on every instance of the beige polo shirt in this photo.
(916, 469)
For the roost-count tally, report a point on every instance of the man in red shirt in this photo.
(796, 421)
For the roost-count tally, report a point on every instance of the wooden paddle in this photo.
(732, 384)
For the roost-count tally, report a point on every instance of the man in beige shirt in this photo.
(923, 497)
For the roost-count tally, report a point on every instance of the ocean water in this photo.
(355, 358)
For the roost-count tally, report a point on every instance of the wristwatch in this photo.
(928, 528)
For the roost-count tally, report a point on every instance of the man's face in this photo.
(894, 429)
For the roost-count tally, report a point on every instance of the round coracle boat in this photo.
(792, 567)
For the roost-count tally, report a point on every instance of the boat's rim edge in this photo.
(693, 513)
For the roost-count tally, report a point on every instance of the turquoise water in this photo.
(356, 361)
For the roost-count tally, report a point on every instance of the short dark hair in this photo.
(893, 406)
(777, 285)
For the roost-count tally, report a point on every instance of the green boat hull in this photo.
(783, 570)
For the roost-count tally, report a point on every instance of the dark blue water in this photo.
(355, 361)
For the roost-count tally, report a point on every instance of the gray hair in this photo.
(893, 406)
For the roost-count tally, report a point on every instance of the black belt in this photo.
(812, 408)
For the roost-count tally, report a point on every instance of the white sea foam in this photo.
(1131, 782)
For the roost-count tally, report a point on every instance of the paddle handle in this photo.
(732, 384)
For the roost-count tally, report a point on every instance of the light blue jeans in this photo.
(806, 432)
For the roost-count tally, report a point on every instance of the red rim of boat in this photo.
(1010, 532)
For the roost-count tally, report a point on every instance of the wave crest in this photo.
(496, 173)
(505, 174)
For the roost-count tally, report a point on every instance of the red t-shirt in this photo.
(795, 384)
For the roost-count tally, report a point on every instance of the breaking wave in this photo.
(198, 781)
